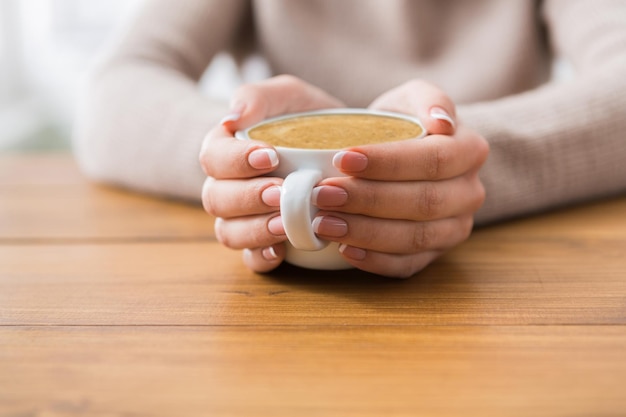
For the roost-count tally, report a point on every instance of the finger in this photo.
(236, 198)
(389, 265)
(392, 236)
(408, 200)
(275, 96)
(434, 157)
(264, 259)
(222, 156)
(250, 232)
(430, 104)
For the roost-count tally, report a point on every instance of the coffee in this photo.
(335, 131)
(306, 144)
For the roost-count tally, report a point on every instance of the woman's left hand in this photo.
(405, 203)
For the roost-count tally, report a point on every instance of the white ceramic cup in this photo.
(302, 170)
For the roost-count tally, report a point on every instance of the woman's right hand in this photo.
(237, 191)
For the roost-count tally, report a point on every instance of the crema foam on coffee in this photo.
(335, 131)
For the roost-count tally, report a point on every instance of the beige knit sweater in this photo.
(552, 144)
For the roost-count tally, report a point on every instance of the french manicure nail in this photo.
(330, 226)
(229, 118)
(269, 253)
(263, 158)
(351, 252)
(235, 114)
(271, 196)
(329, 196)
(350, 161)
(275, 226)
(440, 113)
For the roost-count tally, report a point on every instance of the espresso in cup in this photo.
(335, 131)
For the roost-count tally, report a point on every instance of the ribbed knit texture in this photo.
(143, 117)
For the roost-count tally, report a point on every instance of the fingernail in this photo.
(329, 196)
(275, 226)
(440, 113)
(235, 114)
(263, 158)
(330, 226)
(350, 161)
(269, 253)
(351, 252)
(229, 118)
(218, 229)
(271, 196)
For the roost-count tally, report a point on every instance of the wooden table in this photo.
(116, 304)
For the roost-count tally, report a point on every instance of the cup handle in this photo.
(297, 211)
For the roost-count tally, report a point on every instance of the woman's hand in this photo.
(406, 202)
(246, 204)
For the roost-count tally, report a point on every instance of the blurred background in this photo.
(46, 49)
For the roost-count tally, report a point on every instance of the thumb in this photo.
(429, 103)
(252, 103)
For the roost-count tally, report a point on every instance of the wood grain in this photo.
(119, 304)
(312, 370)
(194, 283)
(45, 198)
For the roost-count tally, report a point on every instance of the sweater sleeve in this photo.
(142, 118)
(563, 142)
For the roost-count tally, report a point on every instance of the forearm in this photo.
(141, 128)
(143, 117)
(557, 145)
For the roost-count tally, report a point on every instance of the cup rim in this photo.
(243, 134)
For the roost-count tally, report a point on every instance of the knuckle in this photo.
(406, 271)
(288, 79)
(463, 229)
(479, 146)
(389, 266)
(205, 156)
(219, 228)
(482, 151)
(251, 94)
(435, 162)
(483, 148)
(467, 225)
(207, 196)
(211, 152)
(434, 93)
(415, 84)
(251, 199)
(249, 90)
(368, 236)
(422, 237)
(407, 267)
(416, 264)
(368, 200)
(393, 167)
(429, 201)
(481, 194)
(252, 193)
